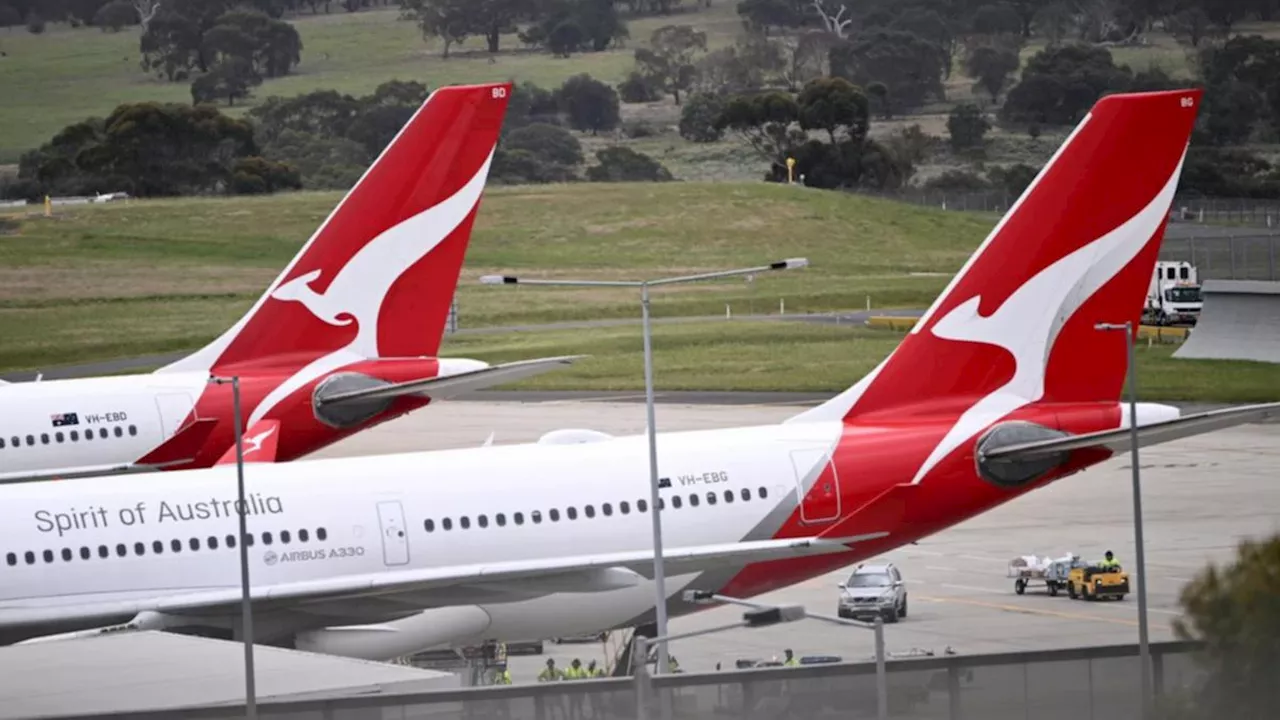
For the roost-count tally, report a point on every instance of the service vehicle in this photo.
(873, 590)
(1173, 295)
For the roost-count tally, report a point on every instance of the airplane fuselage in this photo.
(90, 543)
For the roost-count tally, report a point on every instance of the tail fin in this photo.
(1017, 323)
(379, 275)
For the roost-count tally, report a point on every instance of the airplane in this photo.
(1003, 387)
(343, 340)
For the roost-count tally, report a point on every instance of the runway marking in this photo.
(982, 558)
(1033, 611)
(993, 591)
(927, 553)
(939, 567)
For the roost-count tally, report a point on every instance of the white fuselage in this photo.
(87, 543)
(117, 420)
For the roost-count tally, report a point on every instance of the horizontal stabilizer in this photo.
(1121, 440)
(259, 444)
(886, 510)
(183, 447)
(439, 388)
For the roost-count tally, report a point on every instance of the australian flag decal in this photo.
(64, 419)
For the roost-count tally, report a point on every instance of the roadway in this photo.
(1201, 496)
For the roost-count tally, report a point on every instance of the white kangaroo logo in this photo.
(1028, 322)
(357, 291)
(255, 441)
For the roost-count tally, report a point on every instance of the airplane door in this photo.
(174, 408)
(821, 502)
(395, 541)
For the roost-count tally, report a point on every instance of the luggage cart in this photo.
(1029, 571)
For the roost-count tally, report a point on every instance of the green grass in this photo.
(174, 273)
(66, 75)
(797, 356)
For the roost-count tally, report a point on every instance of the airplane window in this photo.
(447, 524)
(133, 430)
(85, 553)
(66, 554)
(284, 536)
(464, 522)
(500, 519)
(48, 556)
(157, 547)
(31, 440)
(44, 438)
(212, 542)
(194, 544)
(693, 500)
(763, 493)
(519, 518)
(75, 435)
(121, 550)
(12, 559)
(625, 507)
(303, 535)
(607, 509)
(1, 442)
(104, 552)
(175, 545)
(554, 514)
(139, 549)
(746, 494)
(711, 497)
(119, 432)
(642, 506)
(88, 434)
(15, 440)
(430, 526)
(728, 496)
(536, 516)
(30, 557)
(58, 436)
(102, 433)
(589, 511)
(266, 538)
(483, 521)
(231, 541)
(321, 534)
(572, 512)
(249, 540)
(676, 502)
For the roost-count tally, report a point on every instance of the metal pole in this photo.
(1143, 646)
(882, 681)
(659, 579)
(640, 675)
(250, 694)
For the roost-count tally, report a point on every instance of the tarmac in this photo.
(1201, 496)
(1238, 322)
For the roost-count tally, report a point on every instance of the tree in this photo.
(768, 15)
(449, 20)
(638, 89)
(833, 104)
(1054, 21)
(231, 79)
(833, 18)
(115, 15)
(9, 16)
(991, 67)
(622, 164)
(765, 122)
(549, 143)
(967, 125)
(668, 62)
(1235, 612)
(1060, 84)
(256, 176)
(588, 103)
(1013, 179)
(910, 67)
(569, 26)
(698, 118)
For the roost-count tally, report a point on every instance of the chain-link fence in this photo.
(1226, 256)
(1098, 683)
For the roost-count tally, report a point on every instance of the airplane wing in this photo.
(180, 449)
(259, 444)
(358, 589)
(439, 388)
(1121, 440)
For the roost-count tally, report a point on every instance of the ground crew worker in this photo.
(1109, 562)
(672, 665)
(791, 659)
(575, 671)
(503, 676)
(550, 673)
(593, 671)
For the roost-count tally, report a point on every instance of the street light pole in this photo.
(1144, 648)
(250, 693)
(659, 577)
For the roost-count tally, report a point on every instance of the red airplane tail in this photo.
(1017, 324)
(378, 277)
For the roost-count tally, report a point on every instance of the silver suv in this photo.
(873, 590)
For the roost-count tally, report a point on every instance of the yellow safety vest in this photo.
(548, 674)
(791, 662)
(504, 678)
(572, 673)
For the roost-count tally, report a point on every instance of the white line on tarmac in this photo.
(939, 567)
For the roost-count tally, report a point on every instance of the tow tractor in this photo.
(1093, 582)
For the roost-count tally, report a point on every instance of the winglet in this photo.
(260, 444)
(183, 447)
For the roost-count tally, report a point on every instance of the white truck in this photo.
(1173, 297)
